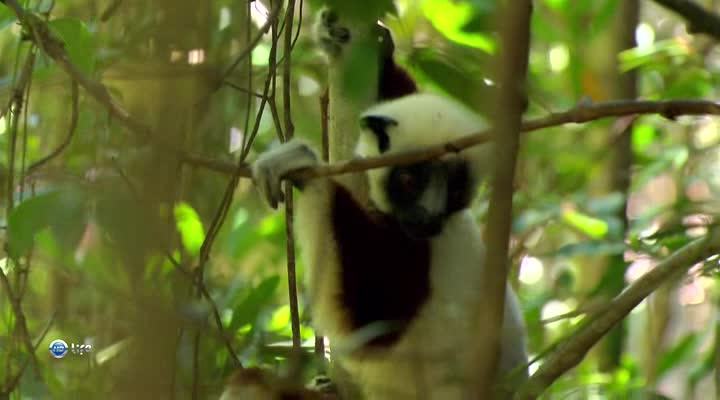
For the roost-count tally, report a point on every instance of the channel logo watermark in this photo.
(59, 348)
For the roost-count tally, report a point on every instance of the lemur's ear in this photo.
(378, 124)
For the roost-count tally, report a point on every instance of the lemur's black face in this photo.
(423, 195)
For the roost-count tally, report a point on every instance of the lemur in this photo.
(395, 283)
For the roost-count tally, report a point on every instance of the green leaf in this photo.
(247, 311)
(78, 41)
(590, 248)
(61, 211)
(608, 204)
(452, 19)
(593, 227)
(445, 74)
(7, 17)
(682, 350)
(700, 370)
(190, 227)
(557, 5)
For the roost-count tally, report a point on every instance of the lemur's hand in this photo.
(274, 165)
(331, 35)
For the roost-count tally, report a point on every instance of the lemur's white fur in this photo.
(434, 357)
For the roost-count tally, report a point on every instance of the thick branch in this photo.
(512, 70)
(580, 114)
(699, 20)
(572, 351)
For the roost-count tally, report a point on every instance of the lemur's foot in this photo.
(275, 164)
(330, 33)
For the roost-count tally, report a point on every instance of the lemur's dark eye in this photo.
(407, 181)
(406, 184)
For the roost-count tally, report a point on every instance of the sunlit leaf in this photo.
(556, 4)
(280, 319)
(190, 227)
(593, 227)
(643, 135)
(661, 51)
(260, 54)
(106, 354)
(271, 225)
(452, 18)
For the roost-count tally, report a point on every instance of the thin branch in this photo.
(22, 82)
(670, 109)
(16, 379)
(580, 114)
(15, 105)
(221, 166)
(289, 130)
(21, 321)
(68, 138)
(242, 89)
(110, 10)
(699, 20)
(572, 351)
(254, 42)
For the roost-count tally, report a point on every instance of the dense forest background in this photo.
(130, 224)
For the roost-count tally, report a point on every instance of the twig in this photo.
(512, 70)
(242, 89)
(15, 104)
(670, 109)
(248, 100)
(20, 320)
(68, 138)
(254, 42)
(699, 19)
(289, 222)
(572, 351)
(16, 379)
(110, 10)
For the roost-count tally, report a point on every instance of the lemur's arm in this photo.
(393, 80)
